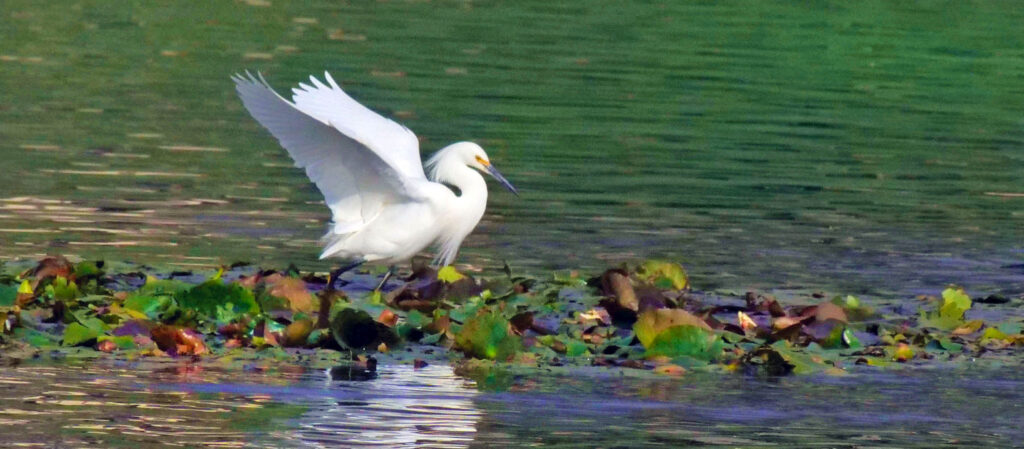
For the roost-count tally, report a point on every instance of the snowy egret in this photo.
(384, 208)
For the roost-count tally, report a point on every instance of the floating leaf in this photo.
(651, 323)
(297, 333)
(664, 275)
(76, 334)
(956, 301)
(903, 352)
(487, 335)
(356, 329)
(448, 274)
(295, 291)
(214, 299)
(828, 311)
(686, 341)
(176, 340)
(8, 295)
(151, 306)
(950, 315)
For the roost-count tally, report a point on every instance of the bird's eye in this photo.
(483, 161)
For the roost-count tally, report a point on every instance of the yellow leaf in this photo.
(449, 274)
(25, 288)
(746, 323)
(969, 327)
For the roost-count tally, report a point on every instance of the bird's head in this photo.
(474, 156)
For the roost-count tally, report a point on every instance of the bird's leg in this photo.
(384, 280)
(337, 273)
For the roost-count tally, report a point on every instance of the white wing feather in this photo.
(354, 179)
(394, 143)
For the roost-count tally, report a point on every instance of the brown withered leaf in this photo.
(176, 340)
(51, 266)
(828, 311)
(294, 290)
(615, 283)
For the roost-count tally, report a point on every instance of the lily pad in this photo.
(8, 294)
(664, 275)
(449, 274)
(223, 303)
(651, 323)
(487, 335)
(686, 341)
(76, 334)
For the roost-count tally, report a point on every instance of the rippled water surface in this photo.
(111, 404)
(872, 146)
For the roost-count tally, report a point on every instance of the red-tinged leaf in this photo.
(388, 318)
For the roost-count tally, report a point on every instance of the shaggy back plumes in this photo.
(439, 166)
(432, 164)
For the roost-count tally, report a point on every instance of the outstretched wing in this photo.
(394, 143)
(354, 179)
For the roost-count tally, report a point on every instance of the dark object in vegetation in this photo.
(646, 318)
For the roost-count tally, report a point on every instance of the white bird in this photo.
(384, 208)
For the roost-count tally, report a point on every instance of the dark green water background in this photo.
(870, 147)
(874, 148)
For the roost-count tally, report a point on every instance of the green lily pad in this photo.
(8, 295)
(686, 341)
(223, 303)
(151, 306)
(63, 289)
(955, 303)
(487, 335)
(35, 338)
(123, 342)
(651, 323)
(76, 334)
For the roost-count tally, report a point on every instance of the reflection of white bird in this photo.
(384, 209)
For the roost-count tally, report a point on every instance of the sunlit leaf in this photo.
(216, 300)
(651, 323)
(449, 274)
(664, 275)
(76, 334)
(487, 335)
(686, 340)
(63, 289)
(151, 306)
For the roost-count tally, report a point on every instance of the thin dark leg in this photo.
(384, 280)
(342, 269)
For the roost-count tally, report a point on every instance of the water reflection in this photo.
(402, 407)
(160, 404)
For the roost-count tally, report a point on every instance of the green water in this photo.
(870, 148)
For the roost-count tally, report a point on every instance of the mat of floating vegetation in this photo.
(645, 317)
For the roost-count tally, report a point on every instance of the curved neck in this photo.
(467, 209)
(471, 185)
